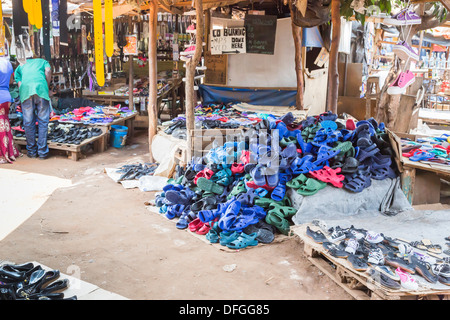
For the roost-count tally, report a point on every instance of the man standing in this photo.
(33, 79)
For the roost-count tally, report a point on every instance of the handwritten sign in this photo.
(228, 41)
(260, 33)
(216, 68)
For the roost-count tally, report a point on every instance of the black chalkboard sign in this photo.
(260, 33)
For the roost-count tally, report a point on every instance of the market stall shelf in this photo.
(358, 284)
(73, 150)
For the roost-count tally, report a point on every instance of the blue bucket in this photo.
(118, 136)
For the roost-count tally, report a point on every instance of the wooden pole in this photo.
(153, 80)
(190, 74)
(333, 71)
(130, 71)
(297, 34)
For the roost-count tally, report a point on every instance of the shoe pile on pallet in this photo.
(391, 262)
(244, 183)
(31, 282)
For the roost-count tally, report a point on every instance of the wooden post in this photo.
(190, 73)
(333, 71)
(153, 80)
(297, 34)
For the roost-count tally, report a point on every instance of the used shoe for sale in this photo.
(387, 271)
(422, 268)
(375, 257)
(403, 81)
(352, 246)
(384, 280)
(441, 269)
(404, 51)
(337, 234)
(397, 262)
(357, 263)
(406, 280)
(373, 237)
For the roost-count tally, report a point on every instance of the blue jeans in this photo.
(36, 108)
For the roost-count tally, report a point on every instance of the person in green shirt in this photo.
(33, 79)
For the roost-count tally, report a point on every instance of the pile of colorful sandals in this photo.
(91, 115)
(431, 149)
(242, 186)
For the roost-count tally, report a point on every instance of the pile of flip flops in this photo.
(91, 115)
(429, 149)
(236, 193)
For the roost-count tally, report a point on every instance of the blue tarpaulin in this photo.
(260, 97)
(312, 38)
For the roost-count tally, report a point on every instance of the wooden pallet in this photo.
(358, 284)
(73, 150)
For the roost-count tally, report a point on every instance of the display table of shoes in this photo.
(70, 138)
(362, 261)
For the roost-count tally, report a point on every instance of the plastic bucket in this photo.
(118, 136)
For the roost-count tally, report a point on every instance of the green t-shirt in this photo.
(32, 76)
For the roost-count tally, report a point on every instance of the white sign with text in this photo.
(228, 41)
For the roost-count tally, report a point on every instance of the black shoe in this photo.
(357, 263)
(395, 262)
(422, 268)
(43, 157)
(32, 156)
(384, 280)
(317, 236)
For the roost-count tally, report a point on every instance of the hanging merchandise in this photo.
(55, 18)
(19, 17)
(2, 35)
(36, 13)
(109, 33)
(46, 29)
(63, 35)
(98, 41)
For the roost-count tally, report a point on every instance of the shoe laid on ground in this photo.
(317, 236)
(404, 51)
(441, 269)
(375, 257)
(444, 280)
(352, 246)
(32, 156)
(398, 262)
(406, 280)
(337, 234)
(384, 280)
(357, 263)
(387, 271)
(334, 250)
(403, 81)
(424, 269)
(373, 237)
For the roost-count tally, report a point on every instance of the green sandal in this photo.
(227, 237)
(243, 241)
(264, 202)
(208, 185)
(312, 186)
(297, 182)
(283, 211)
(278, 222)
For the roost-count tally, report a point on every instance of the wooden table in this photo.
(73, 150)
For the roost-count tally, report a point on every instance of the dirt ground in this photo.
(117, 244)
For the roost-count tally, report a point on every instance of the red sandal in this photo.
(329, 175)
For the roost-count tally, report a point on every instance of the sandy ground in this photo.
(103, 233)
